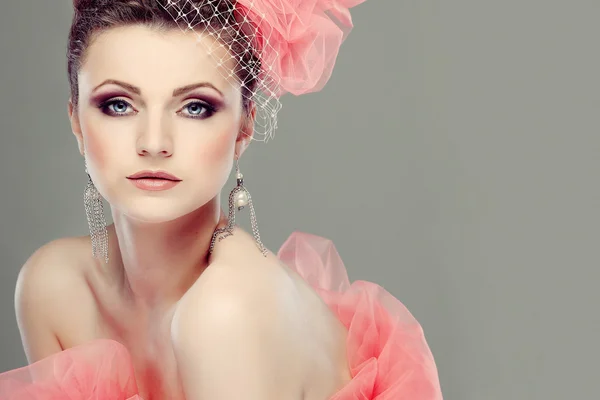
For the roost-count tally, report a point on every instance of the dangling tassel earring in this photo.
(239, 197)
(94, 211)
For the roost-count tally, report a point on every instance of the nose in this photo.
(155, 139)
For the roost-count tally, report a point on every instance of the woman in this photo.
(173, 301)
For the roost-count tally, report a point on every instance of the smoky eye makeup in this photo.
(195, 106)
(199, 109)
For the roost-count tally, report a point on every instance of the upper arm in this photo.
(34, 294)
(236, 337)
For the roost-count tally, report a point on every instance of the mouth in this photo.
(154, 175)
(153, 183)
(151, 178)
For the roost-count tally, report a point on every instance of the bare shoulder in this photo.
(244, 293)
(51, 267)
(239, 275)
(242, 321)
(41, 292)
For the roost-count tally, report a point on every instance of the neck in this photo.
(159, 262)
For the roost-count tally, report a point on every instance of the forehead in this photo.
(156, 59)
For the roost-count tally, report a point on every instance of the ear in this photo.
(75, 126)
(246, 131)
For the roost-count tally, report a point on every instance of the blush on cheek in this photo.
(95, 150)
(219, 149)
(216, 157)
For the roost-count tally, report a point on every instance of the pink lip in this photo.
(154, 174)
(154, 184)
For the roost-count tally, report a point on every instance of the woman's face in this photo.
(151, 100)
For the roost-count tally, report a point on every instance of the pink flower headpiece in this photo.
(299, 39)
(294, 44)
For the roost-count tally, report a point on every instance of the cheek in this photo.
(107, 143)
(216, 159)
(219, 151)
(105, 149)
(96, 150)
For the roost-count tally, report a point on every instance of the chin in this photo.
(151, 217)
(155, 207)
(154, 210)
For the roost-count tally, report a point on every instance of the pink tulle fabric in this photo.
(98, 370)
(387, 352)
(299, 40)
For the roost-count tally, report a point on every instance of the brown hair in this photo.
(93, 16)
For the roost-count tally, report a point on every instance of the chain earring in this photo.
(238, 198)
(94, 211)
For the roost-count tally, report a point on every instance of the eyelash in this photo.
(210, 109)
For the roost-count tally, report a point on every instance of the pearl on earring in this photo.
(241, 199)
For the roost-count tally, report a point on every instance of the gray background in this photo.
(452, 158)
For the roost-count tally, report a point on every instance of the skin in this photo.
(181, 313)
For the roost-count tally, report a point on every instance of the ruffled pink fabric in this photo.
(98, 370)
(299, 39)
(387, 352)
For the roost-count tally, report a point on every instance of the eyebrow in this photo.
(176, 92)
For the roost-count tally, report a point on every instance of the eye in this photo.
(200, 110)
(196, 109)
(114, 107)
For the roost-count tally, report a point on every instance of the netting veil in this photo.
(279, 46)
